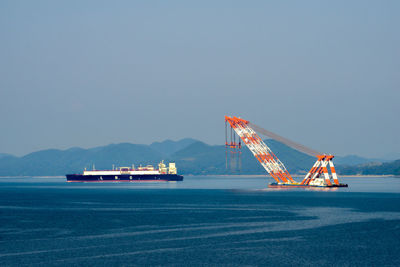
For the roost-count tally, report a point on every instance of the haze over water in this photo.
(92, 73)
(201, 221)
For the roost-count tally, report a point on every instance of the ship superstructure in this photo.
(127, 174)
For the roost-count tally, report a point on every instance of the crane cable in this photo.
(285, 141)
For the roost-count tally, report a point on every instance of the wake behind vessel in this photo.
(129, 174)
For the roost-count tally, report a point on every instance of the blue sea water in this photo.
(203, 221)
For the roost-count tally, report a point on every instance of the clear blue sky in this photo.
(86, 73)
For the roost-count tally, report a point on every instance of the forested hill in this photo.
(374, 168)
(191, 156)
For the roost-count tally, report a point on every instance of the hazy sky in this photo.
(87, 73)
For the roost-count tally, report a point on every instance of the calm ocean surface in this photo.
(217, 221)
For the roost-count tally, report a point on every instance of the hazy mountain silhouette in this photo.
(191, 157)
(374, 168)
(355, 160)
(169, 147)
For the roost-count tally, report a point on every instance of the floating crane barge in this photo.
(318, 176)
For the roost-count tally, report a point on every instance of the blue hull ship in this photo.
(124, 178)
(129, 174)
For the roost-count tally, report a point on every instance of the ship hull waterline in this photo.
(125, 178)
(276, 185)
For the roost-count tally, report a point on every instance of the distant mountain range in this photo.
(191, 156)
(372, 168)
(356, 160)
(3, 155)
(169, 147)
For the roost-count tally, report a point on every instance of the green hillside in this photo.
(169, 147)
(191, 156)
(200, 158)
(60, 162)
(377, 168)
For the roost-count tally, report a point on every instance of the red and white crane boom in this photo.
(273, 165)
(260, 150)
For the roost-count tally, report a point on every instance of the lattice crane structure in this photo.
(318, 176)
